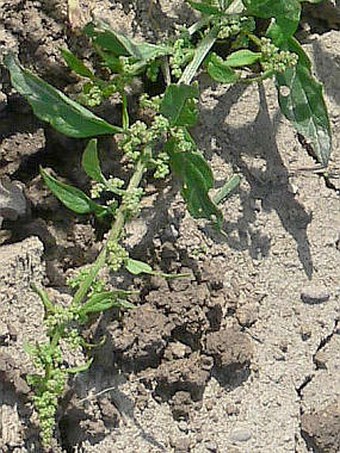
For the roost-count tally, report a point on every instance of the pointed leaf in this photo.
(227, 189)
(304, 105)
(122, 46)
(90, 162)
(179, 105)
(90, 278)
(285, 12)
(80, 368)
(102, 36)
(101, 302)
(76, 64)
(52, 106)
(197, 179)
(71, 197)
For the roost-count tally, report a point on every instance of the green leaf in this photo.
(107, 39)
(90, 278)
(201, 51)
(90, 162)
(80, 368)
(197, 179)
(52, 106)
(71, 197)
(111, 61)
(227, 189)
(243, 57)
(100, 302)
(220, 71)
(304, 104)
(136, 267)
(205, 8)
(122, 46)
(48, 305)
(148, 52)
(179, 105)
(76, 64)
(285, 12)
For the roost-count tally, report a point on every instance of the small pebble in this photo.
(314, 295)
(211, 446)
(232, 409)
(240, 435)
(183, 426)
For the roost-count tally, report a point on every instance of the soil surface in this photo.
(240, 356)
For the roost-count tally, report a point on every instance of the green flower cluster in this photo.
(183, 142)
(128, 66)
(274, 59)
(182, 53)
(97, 285)
(113, 185)
(132, 143)
(117, 255)
(97, 189)
(47, 388)
(146, 102)
(131, 200)
(74, 339)
(95, 93)
(232, 26)
(60, 317)
(162, 166)
(140, 136)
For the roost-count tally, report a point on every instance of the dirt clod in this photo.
(142, 337)
(322, 429)
(230, 348)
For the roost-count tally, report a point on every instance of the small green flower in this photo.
(116, 256)
(274, 59)
(131, 200)
(182, 53)
(162, 166)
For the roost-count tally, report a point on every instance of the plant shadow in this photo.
(268, 184)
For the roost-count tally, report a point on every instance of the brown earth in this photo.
(243, 355)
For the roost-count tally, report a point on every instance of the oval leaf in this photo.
(71, 197)
(286, 14)
(243, 57)
(52, 106)
(120, 45)
(179, 105)
(220, 71)
(136, 267)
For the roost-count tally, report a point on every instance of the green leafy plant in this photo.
(255, 42)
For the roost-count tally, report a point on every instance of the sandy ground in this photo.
(241, 357)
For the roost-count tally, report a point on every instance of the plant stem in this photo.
(125, 115)
(121, 218)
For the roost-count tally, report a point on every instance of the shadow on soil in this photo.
(270, 186)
